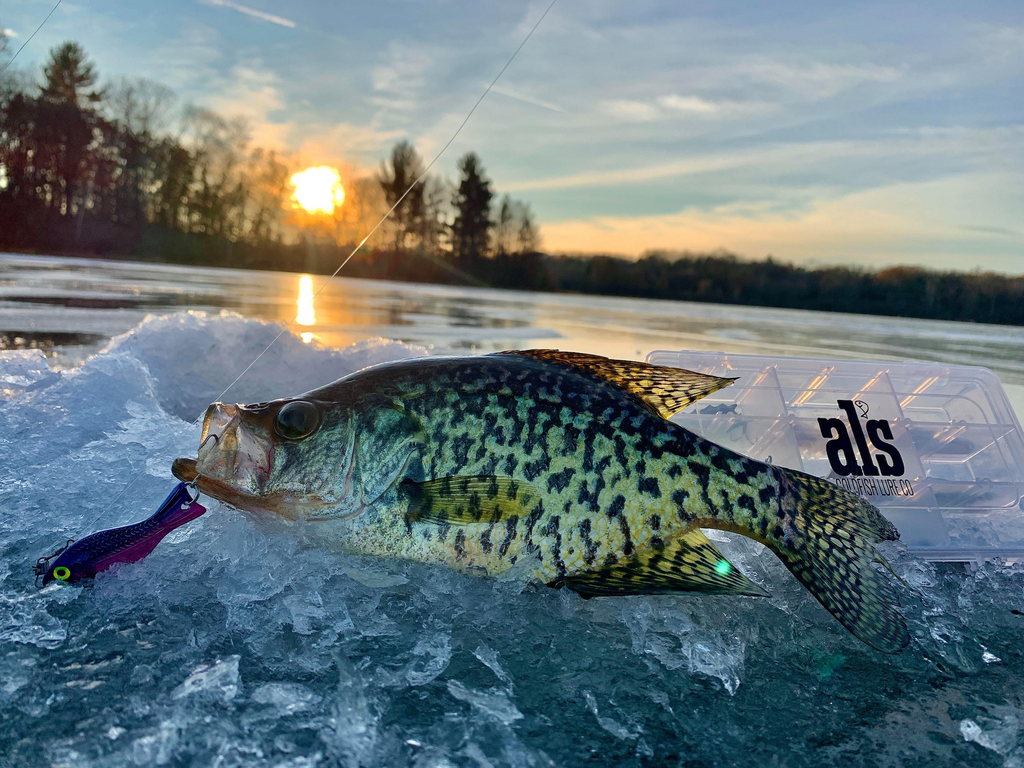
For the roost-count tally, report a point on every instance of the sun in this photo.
(318, 190)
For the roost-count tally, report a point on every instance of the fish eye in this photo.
(61, 573)
(296, 420)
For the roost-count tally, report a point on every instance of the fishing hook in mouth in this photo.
(215, 437)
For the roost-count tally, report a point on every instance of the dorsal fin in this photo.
(664, 391)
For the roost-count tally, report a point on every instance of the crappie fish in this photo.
(560, 465)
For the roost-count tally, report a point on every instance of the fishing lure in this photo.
(130, 543)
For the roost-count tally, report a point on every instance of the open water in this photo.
(231, 645)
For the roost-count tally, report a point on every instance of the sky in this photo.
(857, 133)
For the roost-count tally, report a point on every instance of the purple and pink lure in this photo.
(128, 544)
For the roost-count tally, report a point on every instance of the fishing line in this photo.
(404, 195)
(383, 218)
(8, 64)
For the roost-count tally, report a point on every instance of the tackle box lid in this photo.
(936, 447)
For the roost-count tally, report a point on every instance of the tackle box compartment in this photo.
(937, 448)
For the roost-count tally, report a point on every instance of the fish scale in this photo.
(586, 464)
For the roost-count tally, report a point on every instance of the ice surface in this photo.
(233, 645)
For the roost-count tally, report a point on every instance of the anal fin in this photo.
(687, 563)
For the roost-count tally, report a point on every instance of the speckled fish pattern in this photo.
(565, 468)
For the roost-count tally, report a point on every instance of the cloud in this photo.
(631, 111)
(252, 12)
(401, 80)
(673, 106)
(813, 80)
(795, 156)
(921, 224)
(342, 140)
(515, 93)
(254, 93)
(7, 32)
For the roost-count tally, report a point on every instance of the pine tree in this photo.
(68, 74)
(472, 203)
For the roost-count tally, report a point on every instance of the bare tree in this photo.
(139, 105)
(406, 223)
(527, 234)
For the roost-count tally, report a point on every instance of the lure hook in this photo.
(43, 563)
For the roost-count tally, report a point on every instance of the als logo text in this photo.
(875, 467)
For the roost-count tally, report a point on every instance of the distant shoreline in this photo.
(719, 278)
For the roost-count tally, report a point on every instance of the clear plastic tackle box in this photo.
(937, 448)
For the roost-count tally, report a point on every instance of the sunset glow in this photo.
(318, 190)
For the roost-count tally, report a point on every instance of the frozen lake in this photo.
(233, 645)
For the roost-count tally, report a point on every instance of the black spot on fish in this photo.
(720, 461)
(655, 522)
(675, 471)
(460, 452)
(553, 529)
(680, 497)
(590, 546)
(475, 506)
(511, 464)
(510, 535)
(485, 541)
(460, 544)
(532, 519)
(559, 481)
(534, 469)
(766, 494)
(747, 503)
(617, 506)
(588, 454)
(627, 548)
(570, 439)
(620, 452)
(649, 485)
(702, 473)
(442, 531)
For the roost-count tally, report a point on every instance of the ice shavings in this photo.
(218, 679)
(242, 643)
(999, 731)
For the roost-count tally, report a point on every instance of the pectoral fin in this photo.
(469, 499)
(688, 563)
(663, 391)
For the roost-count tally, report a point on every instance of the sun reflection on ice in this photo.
(307, 314)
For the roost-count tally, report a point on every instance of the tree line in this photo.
(121, 171)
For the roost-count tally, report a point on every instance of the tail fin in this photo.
(827, 544)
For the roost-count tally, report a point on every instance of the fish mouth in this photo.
(235, 448)
(288, 506)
